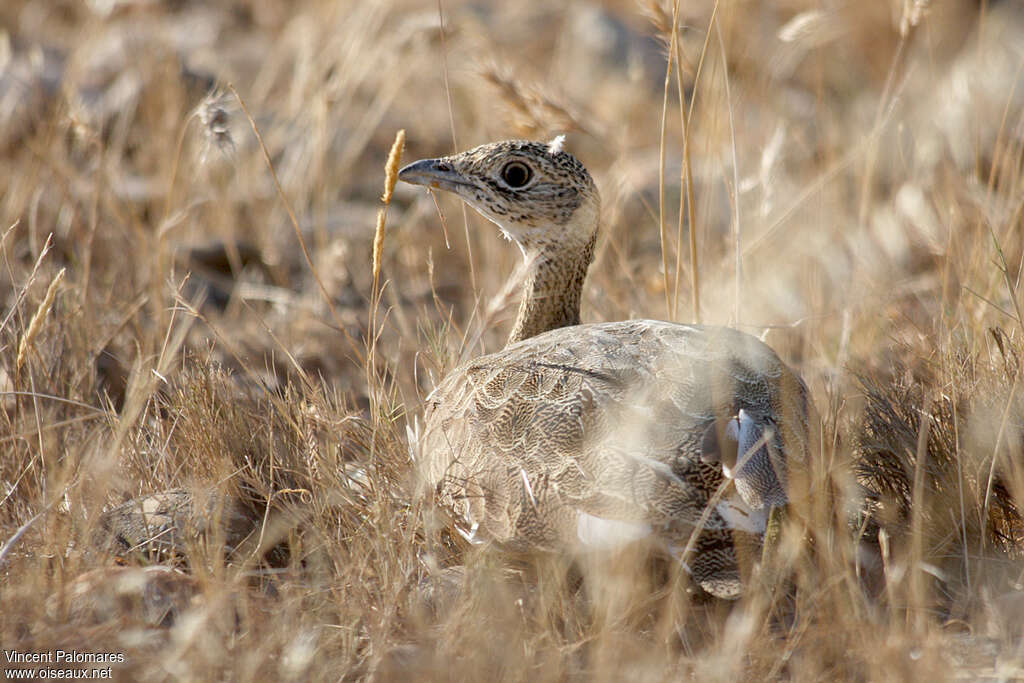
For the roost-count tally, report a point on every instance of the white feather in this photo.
(599, 533)
(412, 435)
(471, 534)
(529, 489)
(738, 516)
(555, 146)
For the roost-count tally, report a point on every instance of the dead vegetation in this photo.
(857, 186)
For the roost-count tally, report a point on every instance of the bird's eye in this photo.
(516, 174)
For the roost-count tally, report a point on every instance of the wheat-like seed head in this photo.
(391, 178)
(36, 324)
(392, 165)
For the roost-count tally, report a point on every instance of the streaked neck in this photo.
(552, 289)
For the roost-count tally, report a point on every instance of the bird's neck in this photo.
(552, 289)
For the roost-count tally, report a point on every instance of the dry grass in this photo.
(852, 184)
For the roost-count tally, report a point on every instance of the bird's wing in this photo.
(605, 420)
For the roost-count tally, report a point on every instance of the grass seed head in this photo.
(215, 115)
(36, 324)
(392, 166)
(391, 177)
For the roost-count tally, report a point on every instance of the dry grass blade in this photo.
(31, 278)
(694, 265)
(662, 153)
(295, 226)
(1011, 288)
(734, 191)
(913, 13)
(455, 141)
(10, 543)
(538, 114)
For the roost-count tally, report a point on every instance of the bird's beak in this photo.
(436, 173)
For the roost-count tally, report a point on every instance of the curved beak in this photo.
(436, 173)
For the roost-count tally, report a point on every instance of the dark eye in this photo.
(516, 174)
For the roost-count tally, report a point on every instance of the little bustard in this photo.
(598, 435)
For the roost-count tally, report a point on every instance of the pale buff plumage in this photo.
(594, 436)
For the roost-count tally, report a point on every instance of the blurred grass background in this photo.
(857, 197)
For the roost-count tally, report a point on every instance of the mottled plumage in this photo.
(161, 525)
(594, 436)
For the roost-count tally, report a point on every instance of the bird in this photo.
(161, 526)
(591, 437)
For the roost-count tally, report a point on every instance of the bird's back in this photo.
(595, 435)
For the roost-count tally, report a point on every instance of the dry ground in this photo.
(856, 196)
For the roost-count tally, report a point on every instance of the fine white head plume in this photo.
(556, 145)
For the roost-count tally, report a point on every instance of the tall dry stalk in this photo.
(662, 151)
(734, 190)
(391, 168)
(686, 198)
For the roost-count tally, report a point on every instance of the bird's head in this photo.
(537, 193)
